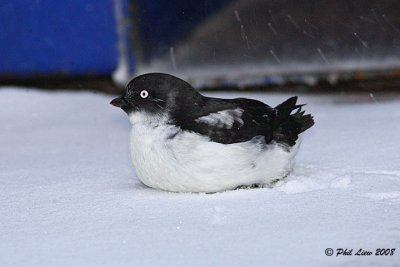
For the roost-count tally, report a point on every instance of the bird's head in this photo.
(156, 95)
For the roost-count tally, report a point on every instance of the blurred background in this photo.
(214, 44)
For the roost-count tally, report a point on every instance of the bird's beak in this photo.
(118, 102)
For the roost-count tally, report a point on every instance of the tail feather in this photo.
(288, 126)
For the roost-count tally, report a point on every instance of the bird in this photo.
(182, 141)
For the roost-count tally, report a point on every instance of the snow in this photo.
(69, 196)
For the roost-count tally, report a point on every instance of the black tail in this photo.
(288, 126)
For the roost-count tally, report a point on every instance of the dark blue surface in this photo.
(162, 22)
(75, 37)
(57, 37)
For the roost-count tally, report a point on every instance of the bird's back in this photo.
(238, 120)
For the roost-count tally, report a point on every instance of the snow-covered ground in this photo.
(69, 195)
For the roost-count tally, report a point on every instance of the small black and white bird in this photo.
(182, 141)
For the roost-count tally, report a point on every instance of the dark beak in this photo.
(118, 102)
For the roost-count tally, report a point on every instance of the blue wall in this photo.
(79, 37)
(57, 37)
(162, 23)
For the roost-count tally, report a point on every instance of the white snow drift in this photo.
(69, 196)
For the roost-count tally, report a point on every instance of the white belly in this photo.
(189, 162)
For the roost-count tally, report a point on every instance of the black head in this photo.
(156, 93)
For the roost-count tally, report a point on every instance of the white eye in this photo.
(144, 94)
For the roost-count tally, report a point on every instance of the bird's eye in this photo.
(144, 94)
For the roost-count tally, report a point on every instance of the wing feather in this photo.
(232, 120)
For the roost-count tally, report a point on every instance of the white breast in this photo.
(168, 158)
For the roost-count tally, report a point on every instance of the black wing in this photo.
(230, 121)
